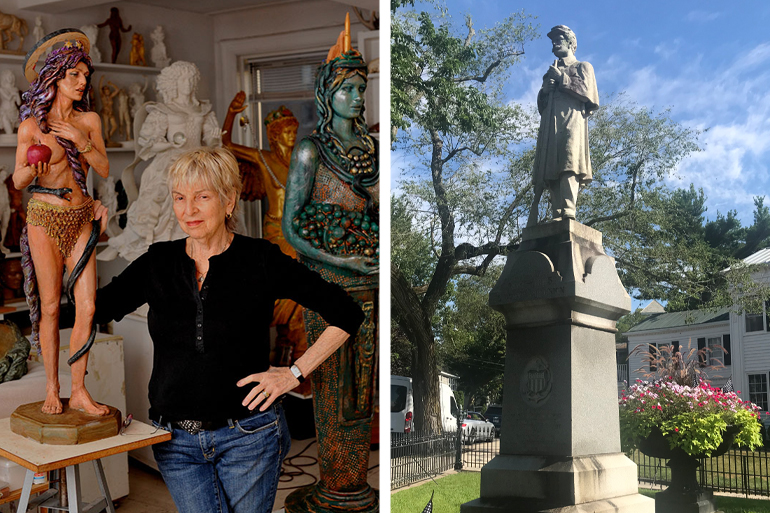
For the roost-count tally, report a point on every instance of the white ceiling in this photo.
(197, 6)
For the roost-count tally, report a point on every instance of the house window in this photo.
(654, 354)
(288, 81)
(273, 82)
(758, 390)
(717, 355)
(758, 321)
(726, 344)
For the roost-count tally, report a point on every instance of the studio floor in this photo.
(148, 493)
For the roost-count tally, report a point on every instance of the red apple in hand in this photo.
(38, 153)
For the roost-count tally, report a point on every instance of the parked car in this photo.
(476, 428)
(494, 414)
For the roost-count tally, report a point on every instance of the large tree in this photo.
(446, 100)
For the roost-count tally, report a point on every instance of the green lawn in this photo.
(456, 489)
(451, 492)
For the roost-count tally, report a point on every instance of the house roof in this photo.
(760, 257)
(653, 307)
(681, 319)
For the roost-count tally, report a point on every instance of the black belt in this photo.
(196, 426)
(193, 426)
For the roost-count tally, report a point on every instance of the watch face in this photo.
(295, 370)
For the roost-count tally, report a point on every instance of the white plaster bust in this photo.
(92, 32)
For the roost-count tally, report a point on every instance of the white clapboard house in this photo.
(746, 337)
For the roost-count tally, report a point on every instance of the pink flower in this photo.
(676, 429)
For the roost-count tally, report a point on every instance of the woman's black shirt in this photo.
(205, 341)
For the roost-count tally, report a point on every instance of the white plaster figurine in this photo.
(5, 208)
(136, 93)
(179, 124)
(38, 33)
(105, 192)
(158, 53)
(124, 117)
(92, 32)
(9, 104)
(562, 158)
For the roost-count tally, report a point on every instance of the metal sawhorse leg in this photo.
(50, 498)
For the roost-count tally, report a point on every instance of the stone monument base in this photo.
(560, 444)
(70, 427)
(529, 484)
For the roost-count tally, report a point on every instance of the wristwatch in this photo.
(297, 373)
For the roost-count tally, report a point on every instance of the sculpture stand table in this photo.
(36, 457)
(560, 443)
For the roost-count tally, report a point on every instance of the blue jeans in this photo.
(234, 469)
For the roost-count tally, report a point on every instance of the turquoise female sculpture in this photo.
(331, 218)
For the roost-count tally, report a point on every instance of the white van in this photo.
(402, 406)
(449, 409)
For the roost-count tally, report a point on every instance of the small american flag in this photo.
(429, 506)
(728, 386)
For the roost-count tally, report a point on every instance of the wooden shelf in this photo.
(9, 57)
(126, 68)
(16, 494)
(100, 66)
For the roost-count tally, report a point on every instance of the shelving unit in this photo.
(100, 66)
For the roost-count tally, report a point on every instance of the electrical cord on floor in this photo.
(288, 476)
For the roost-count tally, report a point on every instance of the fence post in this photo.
(745, 472)
(459, 442)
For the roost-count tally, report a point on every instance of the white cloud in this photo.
(731, 101)
(702, 16)
(668, 50)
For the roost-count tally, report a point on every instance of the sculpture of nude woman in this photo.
(109, 122)
(60, 213)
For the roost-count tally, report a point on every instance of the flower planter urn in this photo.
(684, 494)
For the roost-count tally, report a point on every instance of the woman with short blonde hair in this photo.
(216, 169)
(211, 300)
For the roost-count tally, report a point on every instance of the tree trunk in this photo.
(405, 306)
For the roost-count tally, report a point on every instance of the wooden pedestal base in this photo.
(68, 428)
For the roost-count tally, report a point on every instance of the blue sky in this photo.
(709, 61)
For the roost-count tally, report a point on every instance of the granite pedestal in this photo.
(560, 436)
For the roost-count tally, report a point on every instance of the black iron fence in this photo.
(738, 471)
(417, 456)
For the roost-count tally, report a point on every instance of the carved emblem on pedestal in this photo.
(536, 381)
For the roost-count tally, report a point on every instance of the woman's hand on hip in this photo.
(271, 384)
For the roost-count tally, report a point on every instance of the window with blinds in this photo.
(287, 81)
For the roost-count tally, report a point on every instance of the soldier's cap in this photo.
(560, 29)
